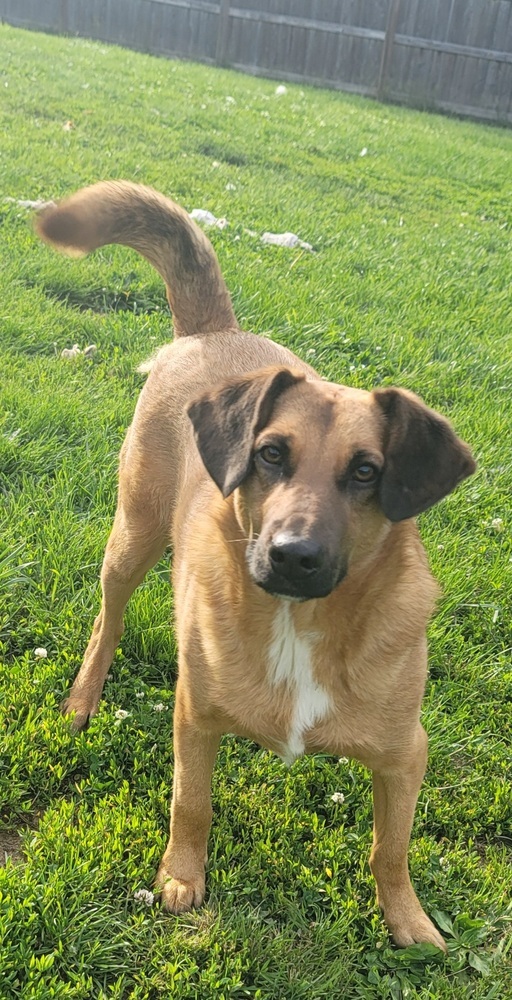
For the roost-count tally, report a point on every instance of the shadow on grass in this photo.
(103, 300)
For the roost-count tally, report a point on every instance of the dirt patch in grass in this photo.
(10, 847)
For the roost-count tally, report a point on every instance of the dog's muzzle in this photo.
(293, 566)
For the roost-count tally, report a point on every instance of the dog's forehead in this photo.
(329, 406)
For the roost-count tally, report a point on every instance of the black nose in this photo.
(295, 558)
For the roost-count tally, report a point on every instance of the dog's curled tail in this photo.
(160, 230)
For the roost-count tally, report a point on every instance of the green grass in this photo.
(409, 284)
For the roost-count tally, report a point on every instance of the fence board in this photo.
(455, 55)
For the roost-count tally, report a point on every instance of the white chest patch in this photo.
(289, 662)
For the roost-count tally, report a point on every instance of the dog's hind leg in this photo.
(136, 543)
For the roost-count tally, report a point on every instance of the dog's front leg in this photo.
(181, 876)
(395, 793)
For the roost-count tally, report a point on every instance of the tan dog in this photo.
(302, 590)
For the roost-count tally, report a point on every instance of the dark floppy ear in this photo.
(423, 458)
(227, 419)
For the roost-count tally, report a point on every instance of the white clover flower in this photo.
(338, 798)
(497, 523)
(121, 714)
(144, 896)
(159, 707)
(139, 694)
(280, 90)
(40, 653)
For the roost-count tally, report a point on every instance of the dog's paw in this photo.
(416, 928)
(79, 711)
(180, 897)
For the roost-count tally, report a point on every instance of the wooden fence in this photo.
(453, 55)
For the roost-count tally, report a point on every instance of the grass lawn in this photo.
(410, 218)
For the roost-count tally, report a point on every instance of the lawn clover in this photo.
(121, 714)
(497, 523)
(159, 707)
(144, 896)
(338, 798)
(40, 653)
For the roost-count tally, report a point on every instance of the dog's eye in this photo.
(271, 454)
(365, 473)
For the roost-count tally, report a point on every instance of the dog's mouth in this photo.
(291, 593)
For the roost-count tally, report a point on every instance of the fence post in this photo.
(387, 51)
(222, 33)
(64, 22)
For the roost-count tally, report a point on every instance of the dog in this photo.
(302, 590)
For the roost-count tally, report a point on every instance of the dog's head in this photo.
(321, 470)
